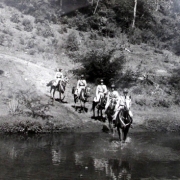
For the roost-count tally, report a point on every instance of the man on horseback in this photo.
(124, 102)
(58, 76)
(112, 99)
(101, 91)
(81, 84)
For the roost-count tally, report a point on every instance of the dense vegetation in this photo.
(97, 34)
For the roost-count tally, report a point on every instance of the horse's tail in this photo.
(50, 83)
(73, 90)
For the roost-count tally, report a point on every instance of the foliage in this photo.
(25, 102)
(101, 64)
(15, 18)
(27, 25)
(14, 106)
(44, 30)
(72, 42)
(174, 81)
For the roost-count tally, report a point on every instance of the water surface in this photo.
(89, 156)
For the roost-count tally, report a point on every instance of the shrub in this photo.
(13, 106)
(72, 42)
(30, 44)
(44, 30)
(27, 25)
(28, 103)
(1, 39)
(100, 64)
(15, 18)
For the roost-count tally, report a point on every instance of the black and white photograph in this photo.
(89, 89)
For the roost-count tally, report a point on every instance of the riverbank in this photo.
(163, 120)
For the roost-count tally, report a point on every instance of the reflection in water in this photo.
(78, 158)
(116, 169)
(89, 156)
(13, 153)
(56, 156)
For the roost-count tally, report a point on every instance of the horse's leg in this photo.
(59, 96)
(125, 132)
(50, 91)
(93, 108)
(119, 132)
(53, 99)
(84, 108)
(110, 122)
(101, 114)
(98, 113)
(75, 103)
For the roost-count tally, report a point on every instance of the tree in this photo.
(134, 17)
(100, 64)
(96, 6)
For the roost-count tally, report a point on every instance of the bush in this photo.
(44, 30)
(100, 64)
(1, 39)
(15, 18)
(72, 42)
(27, 25)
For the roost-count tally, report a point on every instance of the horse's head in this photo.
(66, 79)
(103, 100)
(87, 91)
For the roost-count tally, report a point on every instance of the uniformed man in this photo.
(101, 91)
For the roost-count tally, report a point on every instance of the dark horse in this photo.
(83, 97)
(100, 105)
(60, 88)
(122, 122)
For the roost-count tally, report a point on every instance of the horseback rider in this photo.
(81, 84)
(127, 98)
(101, 91)
(112, 97)
(58, 76)
(124, 101)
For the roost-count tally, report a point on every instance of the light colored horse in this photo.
(123, 120)
(61, 86)
(83, 97)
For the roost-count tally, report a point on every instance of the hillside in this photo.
(33, 45)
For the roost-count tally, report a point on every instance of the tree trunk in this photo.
(135, 7)
(157, 4)
(96, 6)
(61, 1)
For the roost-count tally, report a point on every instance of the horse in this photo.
(122, 122)
(83, 97)
(61, 86)
(100, 105)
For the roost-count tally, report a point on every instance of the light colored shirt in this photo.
(59, 75)
(81, 83)
(125, 101)
(101, 89)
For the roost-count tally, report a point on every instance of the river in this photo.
(90, 156)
